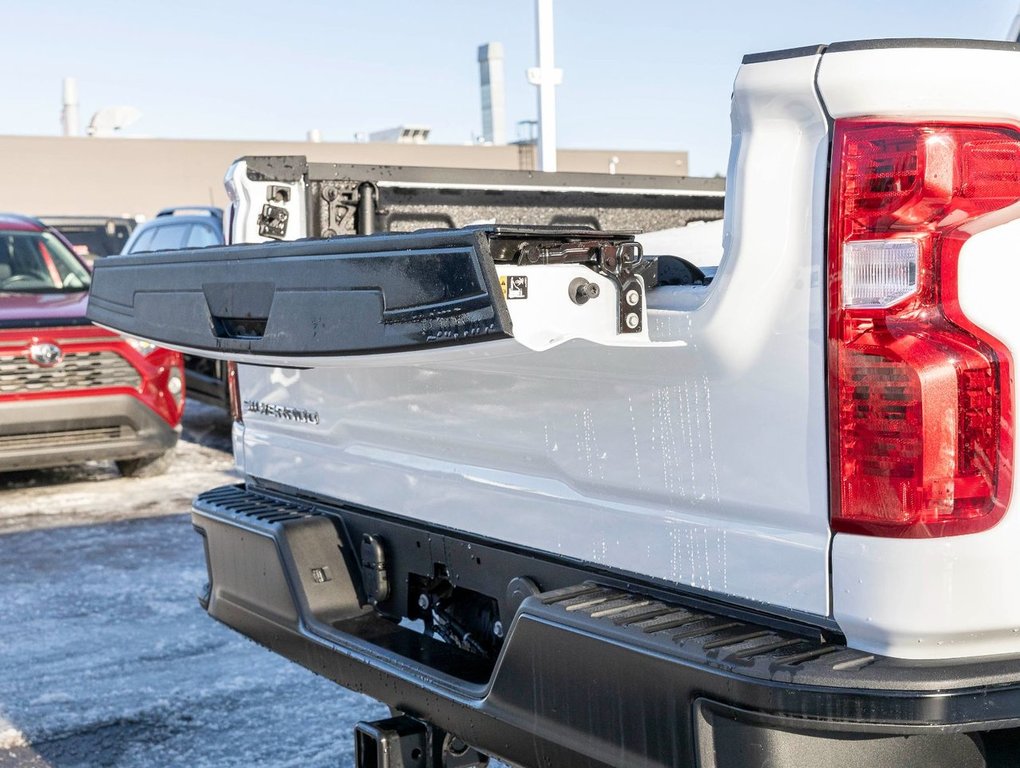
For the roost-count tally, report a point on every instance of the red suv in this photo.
(71, 391)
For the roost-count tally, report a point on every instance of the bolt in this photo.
(329, 194)
(529, 254)
(423, 601)
(632, 297)
(585, 291)
(633, 321)
(609, 258)
(497, 629)
(581, 290)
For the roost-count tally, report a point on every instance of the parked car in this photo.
(93, 236)
(193, 226)
(69, 390)
(188, 227)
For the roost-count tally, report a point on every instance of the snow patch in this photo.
(11, 738)
(57, 697)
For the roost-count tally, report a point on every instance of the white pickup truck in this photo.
(552, 503)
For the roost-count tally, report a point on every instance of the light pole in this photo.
(546, 76)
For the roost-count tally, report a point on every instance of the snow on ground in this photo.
(106, 658)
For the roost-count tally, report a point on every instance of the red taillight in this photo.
(234, 393)
(920, 398)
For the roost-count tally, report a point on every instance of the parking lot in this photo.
(107, 658)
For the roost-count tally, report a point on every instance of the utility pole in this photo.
(546, 77)
(69, 114)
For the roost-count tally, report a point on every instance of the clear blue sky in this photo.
(644, 74)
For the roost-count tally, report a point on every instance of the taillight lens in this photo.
(234, 393)
(920, 398)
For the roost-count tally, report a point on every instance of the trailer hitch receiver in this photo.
(406, 742)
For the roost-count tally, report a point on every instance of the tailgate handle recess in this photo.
(239, 327)
(239, 310)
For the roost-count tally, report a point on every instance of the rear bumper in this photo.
(70, 430)
(590, 675)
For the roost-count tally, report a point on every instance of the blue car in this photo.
(193, 226)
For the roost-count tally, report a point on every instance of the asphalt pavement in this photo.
(106, 658)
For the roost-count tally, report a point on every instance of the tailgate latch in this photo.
(620, 262)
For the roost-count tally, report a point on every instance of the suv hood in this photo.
(35, 308)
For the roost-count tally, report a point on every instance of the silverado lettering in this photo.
(281, 412)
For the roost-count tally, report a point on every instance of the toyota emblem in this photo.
(45, 355)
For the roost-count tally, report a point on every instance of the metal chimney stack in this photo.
(490, 66)
(69, 114)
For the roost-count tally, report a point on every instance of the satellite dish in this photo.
(111, 120)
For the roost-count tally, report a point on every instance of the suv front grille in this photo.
(68, 438)
(78, 370)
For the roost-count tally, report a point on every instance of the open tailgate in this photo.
(295, 303)
(307, 298)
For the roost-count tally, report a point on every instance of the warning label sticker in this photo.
(514, 286)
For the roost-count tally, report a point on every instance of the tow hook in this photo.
(406, 742)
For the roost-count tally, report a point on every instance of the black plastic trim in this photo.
(45, 322)
(149, 434)
(921, 42)
(879, 44)
(587, 675)
(346, 295)
(731, 737)
(786, 53)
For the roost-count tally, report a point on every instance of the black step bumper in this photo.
(594, 675)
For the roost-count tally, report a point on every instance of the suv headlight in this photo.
(141, 346)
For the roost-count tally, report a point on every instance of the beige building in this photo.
(123, 176)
